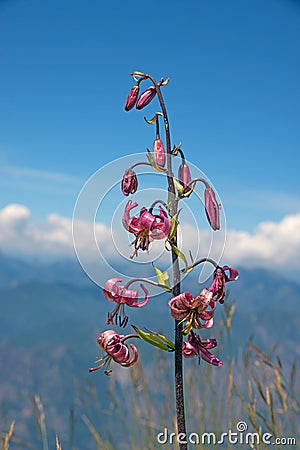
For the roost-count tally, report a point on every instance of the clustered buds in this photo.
(129, 182)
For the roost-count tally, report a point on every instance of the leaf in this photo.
(175, 149)
(179, 188)
(180, 255)
(152, 162)
(163, 338)
(155, 339)
(165, 82)
(137, 74)
(154, 118)
(162, 278)
(174, 225)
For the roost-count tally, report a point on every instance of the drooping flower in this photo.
(129, 182)
(199, 347)
(113, 344)
(147, 227)
(192, 310)
(220, 278)
(159, 152)
(132, 96)
(184, 174)
(212, 208)
(122, 296)
(146, 97)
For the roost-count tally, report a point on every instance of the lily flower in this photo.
(146, 97)
(159, 152)
(122, 296)
(147, 227)
(192, 310)
(129, 182)
(212, 208)
(113, 344)
(199, 347)
(132, 96)
(220, 278)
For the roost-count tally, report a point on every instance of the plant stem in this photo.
(173, 207)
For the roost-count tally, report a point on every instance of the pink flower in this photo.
(189, 309)
(147, 227)
(212, 208)
(199, 347)
(159, 152)
(129, 182)
(146, 97)
(113, 344)
(184, 174)
(220, 278)
(122, 296)
(132, 97)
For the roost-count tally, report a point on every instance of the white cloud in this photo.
(275, 244)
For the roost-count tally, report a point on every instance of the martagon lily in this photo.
(113, 344)
(199, 347)
(122, 296)
(186, 308)
(220, 278)
(147, 227)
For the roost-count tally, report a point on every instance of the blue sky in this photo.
(233, 99)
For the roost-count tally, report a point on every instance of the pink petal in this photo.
(126, 216)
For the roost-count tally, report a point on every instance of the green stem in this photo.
(173, 207)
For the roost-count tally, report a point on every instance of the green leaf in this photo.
(162, 278)
(180, 255)
(174, 225)
(155, 339)
(179, 188)
(152, 162)
(163, 338)
(175, 149)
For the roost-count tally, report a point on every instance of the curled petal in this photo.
(188, 350)
(131, 359)
(130, 297)
(161, 229)
(111, 290)
(209, 357)
(233, 274)
(126, 220)
(180, 305)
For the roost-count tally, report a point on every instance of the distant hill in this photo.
(51, 315)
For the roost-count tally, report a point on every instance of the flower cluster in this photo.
(190, 312)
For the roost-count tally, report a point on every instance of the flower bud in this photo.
(146, 97)
(132, 97)
(129, 182)
(159, 152)
(184, 174)
(212, 208)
